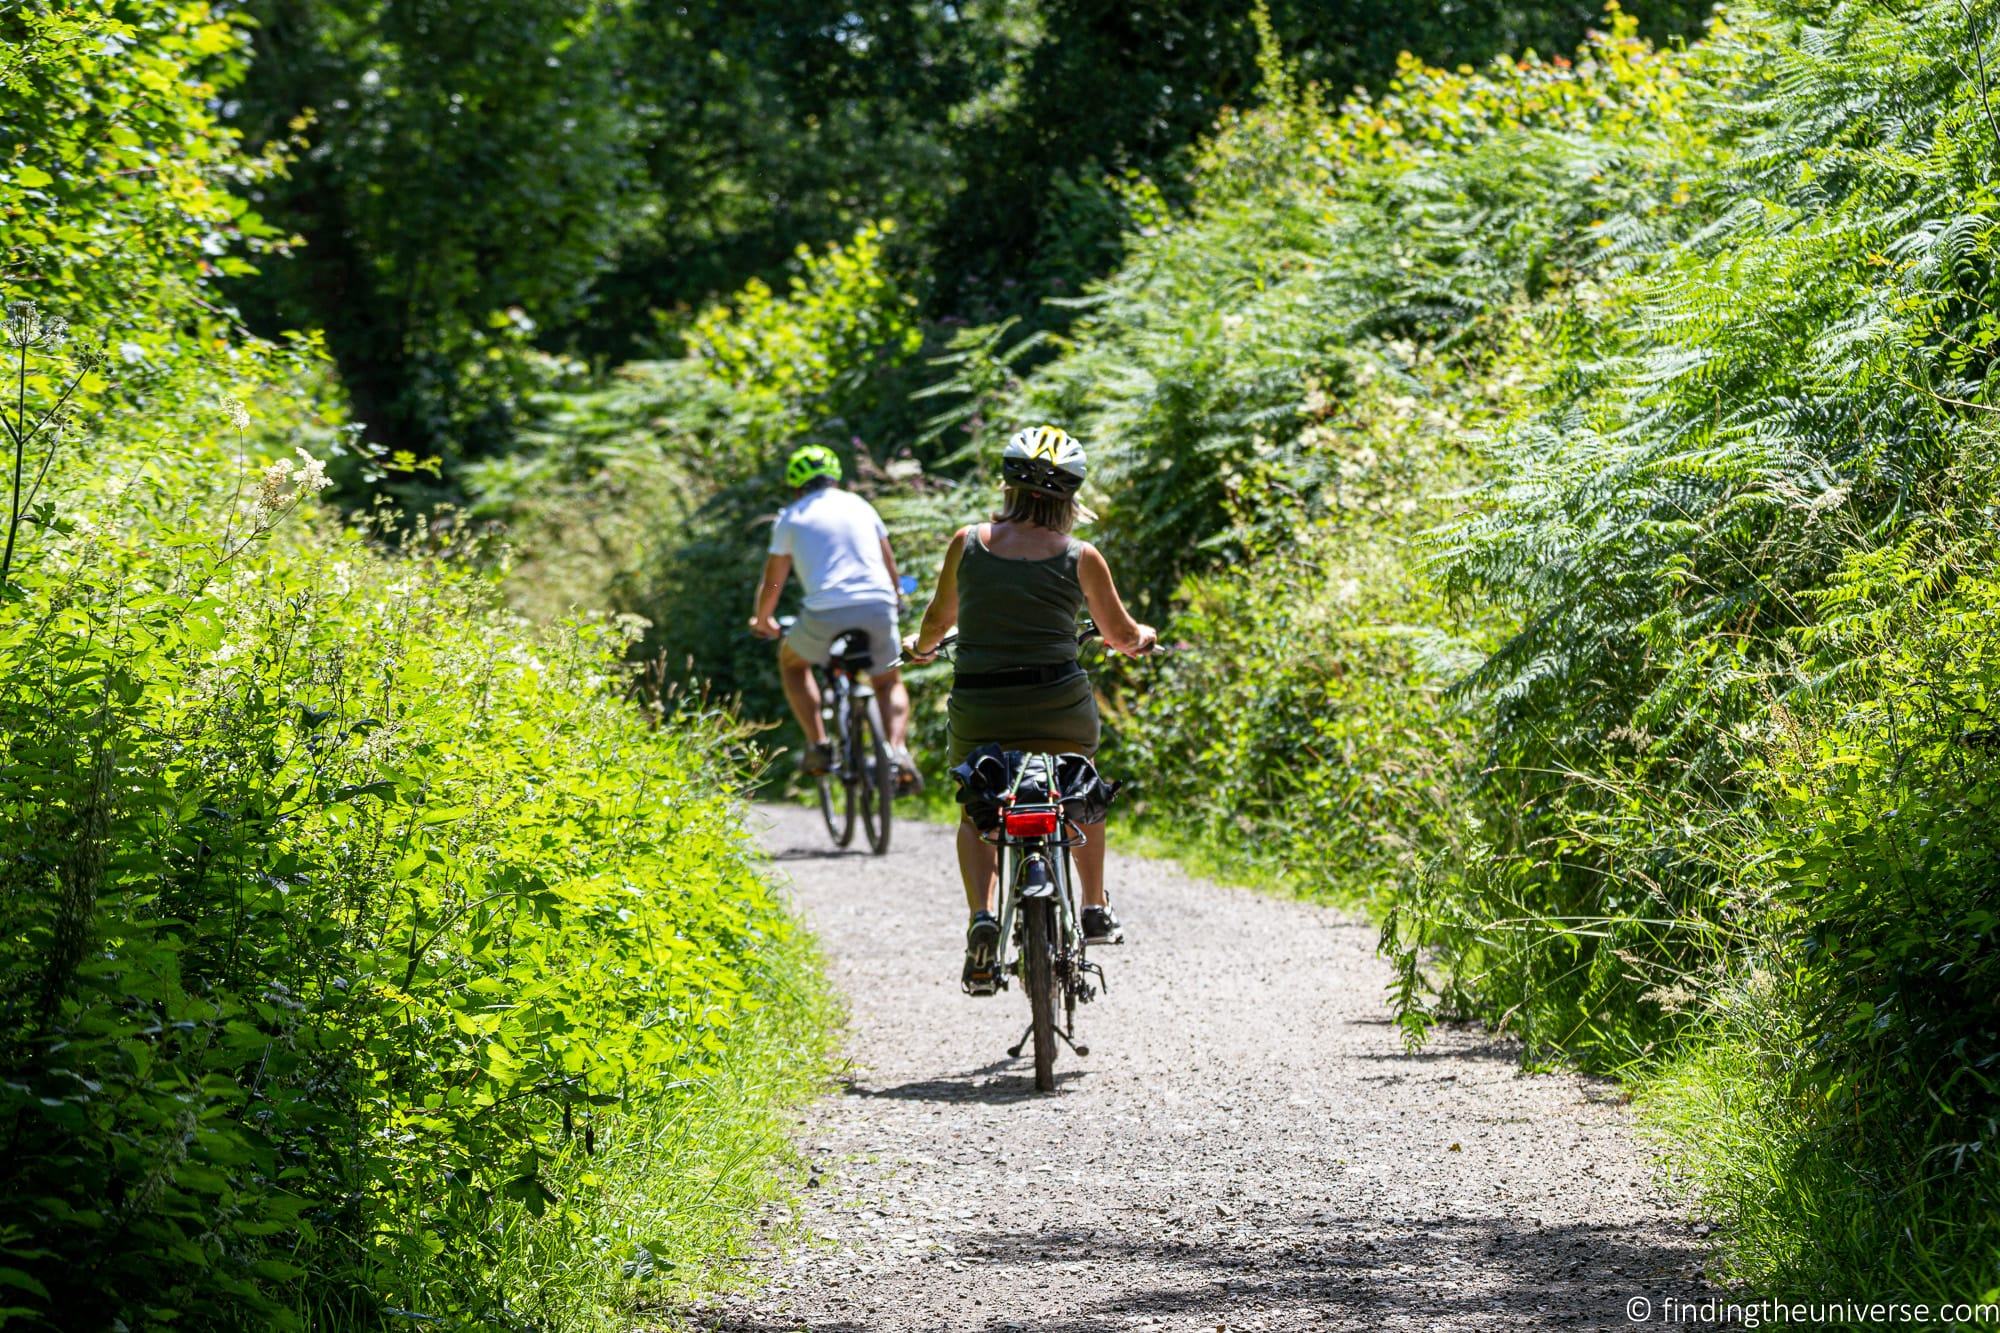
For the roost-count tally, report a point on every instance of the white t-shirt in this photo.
(834, 538)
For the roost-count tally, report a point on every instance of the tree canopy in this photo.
(611, 166)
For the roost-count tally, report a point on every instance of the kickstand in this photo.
(1015, 1050)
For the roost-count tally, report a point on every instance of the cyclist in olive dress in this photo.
(1014, 587)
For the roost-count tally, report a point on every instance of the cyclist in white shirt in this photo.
(836, 542)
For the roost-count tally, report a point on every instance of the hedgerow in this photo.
(370, 953)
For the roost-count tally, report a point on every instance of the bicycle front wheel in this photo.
(1039, 969)
(878, 774)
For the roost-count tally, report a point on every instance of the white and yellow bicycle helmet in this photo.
(1045, 460)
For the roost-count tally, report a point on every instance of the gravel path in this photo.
(1246, 1147)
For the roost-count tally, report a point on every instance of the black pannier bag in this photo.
(989, 773)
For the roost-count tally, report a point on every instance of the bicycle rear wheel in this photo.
(1039, 956)
(878, 774)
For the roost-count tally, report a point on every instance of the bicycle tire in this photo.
(878, 775)
(1072, 951)
(1039, 952)
(840, 826)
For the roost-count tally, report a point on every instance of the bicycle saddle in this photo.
(852, 651)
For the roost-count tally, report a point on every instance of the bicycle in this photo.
(1042, 941)
(862, 766)
(1041, 936)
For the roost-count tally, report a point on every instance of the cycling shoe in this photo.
(1100, 926)
(982, 948)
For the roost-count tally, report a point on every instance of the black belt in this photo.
(1020, 675)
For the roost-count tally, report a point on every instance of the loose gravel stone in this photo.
(1247, 1147)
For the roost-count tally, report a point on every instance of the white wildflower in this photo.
(274, 489)
(631, 628)
(24, 324)
(284, 483)
(234, 413)
(312, 474)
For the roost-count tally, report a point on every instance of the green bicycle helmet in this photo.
(813, 460)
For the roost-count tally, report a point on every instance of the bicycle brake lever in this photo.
(943, 653)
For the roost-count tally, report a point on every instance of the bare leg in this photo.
(978, 866)
(802, 693)
(1090, 864)
(895, 697)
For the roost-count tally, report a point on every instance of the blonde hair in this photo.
(1056, 513)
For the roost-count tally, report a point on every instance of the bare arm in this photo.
(942, 613)
(777, 568)
(1121, 632)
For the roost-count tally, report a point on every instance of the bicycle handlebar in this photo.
(1087, 631)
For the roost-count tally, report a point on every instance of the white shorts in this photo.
(812, 636)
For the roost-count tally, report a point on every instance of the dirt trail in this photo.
(1247, 1146)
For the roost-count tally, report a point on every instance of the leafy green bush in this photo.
(1778, 393)
(368, 950)
(1846, 1071)
(820, 348)
(342, 909)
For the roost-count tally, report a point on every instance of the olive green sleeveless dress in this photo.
(1020, 613)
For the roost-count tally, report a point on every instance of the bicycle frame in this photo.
(840, 691)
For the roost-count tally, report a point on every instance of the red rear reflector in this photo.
(1031, 823)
